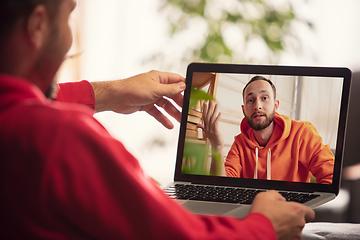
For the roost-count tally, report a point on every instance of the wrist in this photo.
(103, 95)
(98, 92)
(217, 145)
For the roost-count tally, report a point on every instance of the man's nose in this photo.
(258, 105)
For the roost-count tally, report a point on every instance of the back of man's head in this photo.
(257, 78)
(13, 11)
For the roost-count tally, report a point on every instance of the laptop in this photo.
(319, 95)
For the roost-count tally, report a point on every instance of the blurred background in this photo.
(118, 39)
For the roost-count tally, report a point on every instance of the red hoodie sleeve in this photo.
(77, 92)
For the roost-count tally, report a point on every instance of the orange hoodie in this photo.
(294, 150)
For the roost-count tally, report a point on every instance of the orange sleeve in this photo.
(321, 163)
(323, 166)
(233, 166)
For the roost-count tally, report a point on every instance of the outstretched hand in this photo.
(288, 218)
(210, 125)
(141, 93)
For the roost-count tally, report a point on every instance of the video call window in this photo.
(313, 99)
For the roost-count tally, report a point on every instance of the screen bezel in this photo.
(342, 72)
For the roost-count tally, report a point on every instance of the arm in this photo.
(232, 164)
(323, 166)
(142, 92)
(321, 163)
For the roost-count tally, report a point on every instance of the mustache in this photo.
(258, 113)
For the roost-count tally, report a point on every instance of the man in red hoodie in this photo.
(62, 176)
(270, 145)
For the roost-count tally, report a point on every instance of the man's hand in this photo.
(141, 93)
(288, 218)
(210, 125)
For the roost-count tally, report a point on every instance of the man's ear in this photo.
(277, 103)
(242, 107)
(38, 26)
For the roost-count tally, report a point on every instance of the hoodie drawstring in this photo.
(268, 169)
(268, 163)
(256, 163)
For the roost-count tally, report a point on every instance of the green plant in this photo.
(194, 158)
(228, 28)
(198, 95)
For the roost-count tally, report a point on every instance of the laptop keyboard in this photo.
(228, 194)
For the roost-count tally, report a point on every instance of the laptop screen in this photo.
(305, 148)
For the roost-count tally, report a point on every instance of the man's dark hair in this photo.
(256, 78)
(11, 11)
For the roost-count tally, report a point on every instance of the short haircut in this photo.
(256, 78)
(12, 11)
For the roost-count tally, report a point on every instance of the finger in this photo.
(217, 119)
(210, 112)
(204, 113)
(171, 90)
(169, 108)
(169, 78)
(214, 116)
(172, 110)
(178, 99)
(309, 214)
(275, 195)
(153, 111)
(162, 102)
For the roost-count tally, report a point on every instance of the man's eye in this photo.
(265, 98)
(250, 100)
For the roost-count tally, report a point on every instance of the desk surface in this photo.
(331, 231)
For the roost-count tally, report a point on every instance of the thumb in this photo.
(172, 89)
(309, 214)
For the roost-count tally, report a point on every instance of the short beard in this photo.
(261, 125)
